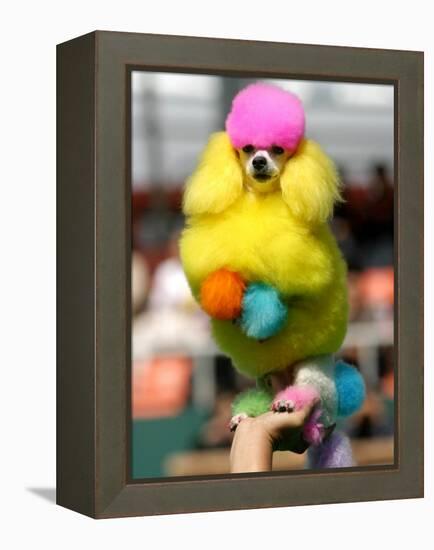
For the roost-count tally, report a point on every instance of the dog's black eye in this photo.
(277, 150)
(248, 148)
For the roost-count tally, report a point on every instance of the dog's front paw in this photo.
(235, 421)
(300, 396)
(283, 405)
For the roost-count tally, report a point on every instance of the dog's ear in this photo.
(310, 184)
(217, 181)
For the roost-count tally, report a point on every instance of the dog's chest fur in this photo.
(259, 238)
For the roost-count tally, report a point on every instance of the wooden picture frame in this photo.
(94, 356)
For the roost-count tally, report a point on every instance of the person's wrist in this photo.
(252, 447)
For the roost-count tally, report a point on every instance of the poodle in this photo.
(262, 262)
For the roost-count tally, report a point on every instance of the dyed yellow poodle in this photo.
(261, 260)
(279, 238)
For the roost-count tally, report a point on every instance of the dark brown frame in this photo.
(93, 372)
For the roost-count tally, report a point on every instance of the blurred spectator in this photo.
(374, 419)
(368, 210)
(354, 296)
(172, 322)
(347, 243)
(170, 289)
(376, 293)
(161, 386)
(139, 281)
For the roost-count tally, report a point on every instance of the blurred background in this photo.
(182, 386)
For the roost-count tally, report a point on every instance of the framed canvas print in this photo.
(240, 274)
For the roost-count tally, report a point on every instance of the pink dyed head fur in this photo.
(263, 115)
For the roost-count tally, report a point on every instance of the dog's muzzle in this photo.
(259, 163)
(260, 167)
(262, 176)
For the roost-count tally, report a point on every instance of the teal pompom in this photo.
(263, 312)
(350, 388)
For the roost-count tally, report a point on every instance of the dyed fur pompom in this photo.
(221, 294)
(253, 402)
(264, 314)
(350, 388)
(313, 429)
(335, 452)
(265, 115)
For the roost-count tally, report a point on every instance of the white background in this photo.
(29, 33)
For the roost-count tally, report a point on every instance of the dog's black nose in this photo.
(259, 163)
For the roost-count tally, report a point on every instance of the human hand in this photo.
(256, 438)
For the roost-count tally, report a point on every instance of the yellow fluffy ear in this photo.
(217, 181)
(310, 183)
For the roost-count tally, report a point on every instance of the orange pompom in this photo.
(221, 294)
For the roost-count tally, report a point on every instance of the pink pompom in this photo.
(313, 430)
(263, 115)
